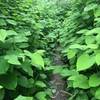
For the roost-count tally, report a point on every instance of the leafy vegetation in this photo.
(32, 31)
(81, 32)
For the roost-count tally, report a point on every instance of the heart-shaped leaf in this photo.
(84, 62)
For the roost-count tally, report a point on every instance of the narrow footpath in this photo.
(59, 83)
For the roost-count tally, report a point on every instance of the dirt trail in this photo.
(59, 83)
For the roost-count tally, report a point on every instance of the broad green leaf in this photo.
(4, 66)
(2, 22)
(94, 80)
(66, 72)
(8, 81)
(26, 66)
(11, 32)
(37, 60)
(3, 35)
(41, 95)
(71, 53)
(80, 81)
(43, 76)
(20, 38)
(13, 22)
(13, 59)
(97, 94)
(40, 84)
(27, 53)
(97, 58)
(84, 62)
(25, 82)
(20, 97)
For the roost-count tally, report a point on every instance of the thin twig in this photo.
(65, 92)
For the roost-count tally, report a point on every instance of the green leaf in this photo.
(97, 12)
(3, 35)
(13, 22)
(37, 60)
(41, 52)
(80, 81)
(71, 53)
(20, 38)
(66, 72)
(41, 95)
(90, 7)
(82, 96)
(13, 59)
(93, 31)
(20, 97)
(89, 39)
(97, 58)
(27, 53)
(82, 31)
(84, 62)
(94, 80)
(11, 32)
(40, 84)
(26, 66)
(4, 66)
(2, 22)
(97, 94)
(78, 46)
(92, 46)
(8, 81)
(25, 82)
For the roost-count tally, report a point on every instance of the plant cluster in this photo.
(24, 26)
(32, 30)
(80, 42)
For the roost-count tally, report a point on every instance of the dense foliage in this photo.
(80, 40)
(31, 31)
(22, 65)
